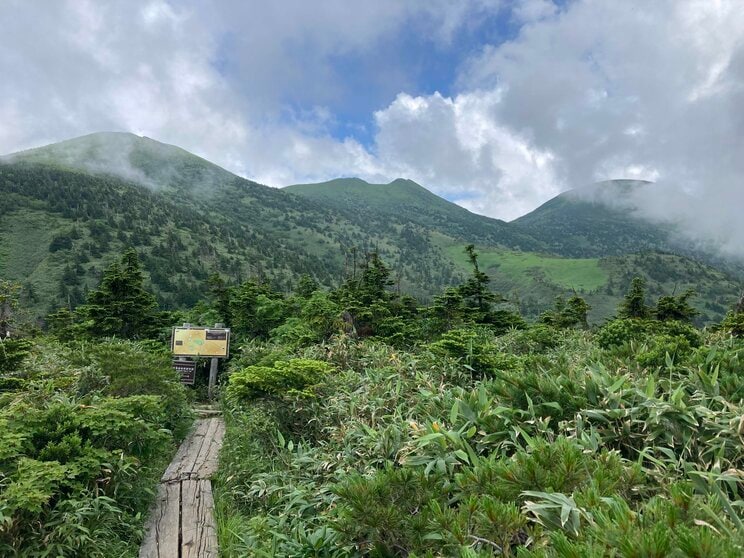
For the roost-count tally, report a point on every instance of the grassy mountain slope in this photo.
(581, 243)
(534, 280)
(594, 222)
(68, 209)
(602, 220)
(404, 202)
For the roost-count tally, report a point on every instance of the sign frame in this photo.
(176, 349)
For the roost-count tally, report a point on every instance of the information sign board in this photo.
(201, 342)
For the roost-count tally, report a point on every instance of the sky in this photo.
(497, 105)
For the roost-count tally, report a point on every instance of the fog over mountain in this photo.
(694, 218)
(496, 105)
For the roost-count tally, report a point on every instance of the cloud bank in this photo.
(561, 97)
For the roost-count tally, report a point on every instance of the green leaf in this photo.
(454, 413)
(462, 455)
(650, 387)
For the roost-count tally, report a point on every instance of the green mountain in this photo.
(595, 221)
(157, 165)
(68, 209)
(403, 203)
(603, 220)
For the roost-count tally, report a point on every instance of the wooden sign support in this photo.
(213, 370)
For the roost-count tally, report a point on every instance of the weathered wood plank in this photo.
(198, 532)
(181, 524)
(211, 460)
(184, 463)
(208, 412)
(206, 442)
(172, 471)
(162, 531)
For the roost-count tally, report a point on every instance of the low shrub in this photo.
(623, 331)
(82, 445)
(659, 346)
(296, 375)
(475, 348)
(12, 353)
(125, 368)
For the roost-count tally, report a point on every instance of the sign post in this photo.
(213, 370)
(188, 341)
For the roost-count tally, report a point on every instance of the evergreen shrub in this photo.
(297, 375)
(475, 348)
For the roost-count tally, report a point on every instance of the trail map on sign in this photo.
(200, 341)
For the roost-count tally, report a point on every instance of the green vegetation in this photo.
(85, 436)
(556, 402)
(567, 273)
(535, 279)
(596, 221)
(87, 422)
(601, 220)
(68, 210)
(541, 441)
(410, 206)
(360, 422)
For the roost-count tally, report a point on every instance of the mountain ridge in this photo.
(63, 216)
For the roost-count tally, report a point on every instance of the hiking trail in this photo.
(181, 523)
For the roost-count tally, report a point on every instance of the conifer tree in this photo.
(676, 307)
(306, 286)
(447, 309)
(634, 303)
(220, 297)
(733, 324)
(256, 309)
(9, 296)
(567, 313)
(121, 306)
(477, 298)
(375, 280)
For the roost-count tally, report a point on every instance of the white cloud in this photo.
(587, 91)
(217, 79)
(457, 148)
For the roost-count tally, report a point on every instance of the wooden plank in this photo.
(203, 447)
(172, 471)
(181, 524)
(184, 461)
(208, 412)
(200, 438)
(198, 532)
(162, 531)
(206, 448)
(209, 465)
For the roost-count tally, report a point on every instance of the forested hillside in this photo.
(404, 203)
(360, 423)
(595, 221)
(604, 219)
(67, 209)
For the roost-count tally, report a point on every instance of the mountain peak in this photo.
(125, 155)
(618, 193)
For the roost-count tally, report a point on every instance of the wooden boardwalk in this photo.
(181, 524)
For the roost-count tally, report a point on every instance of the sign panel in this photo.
(187, 370)
(200, 342)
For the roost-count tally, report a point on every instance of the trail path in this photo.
(181, 524)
